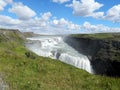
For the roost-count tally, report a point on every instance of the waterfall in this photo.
(55, 48)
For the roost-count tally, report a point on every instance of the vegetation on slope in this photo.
(112, 36)
(23, 70)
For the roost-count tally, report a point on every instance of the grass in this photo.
(112, 36)
(23, 70)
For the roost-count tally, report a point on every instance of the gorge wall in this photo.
(104, 54)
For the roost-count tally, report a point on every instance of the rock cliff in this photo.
(104, 54)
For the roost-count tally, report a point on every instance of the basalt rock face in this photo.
(104, 54)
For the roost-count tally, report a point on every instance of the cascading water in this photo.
(55, 48)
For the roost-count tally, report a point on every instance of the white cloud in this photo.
(60, 23)
(3, 3)
(44, 25)
(64, 24)
(6, 20)
(98, 15)
(36, 24)
(60, 1)
(46, 16)
(9, 1)
(89, 28)
(41, 24)
(86, 8)
(22, 11)
(113, 14)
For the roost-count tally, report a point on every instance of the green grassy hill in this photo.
(23, 70)
(111, 36)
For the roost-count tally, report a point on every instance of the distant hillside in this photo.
(30, 34)
(14, 34)
(10, 34)
(112, 36)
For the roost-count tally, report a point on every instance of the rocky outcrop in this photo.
(14, 34)
(11, 34)
(104, 54)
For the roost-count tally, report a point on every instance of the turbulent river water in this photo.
(55, 48)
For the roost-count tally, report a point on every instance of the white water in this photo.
(55, 48)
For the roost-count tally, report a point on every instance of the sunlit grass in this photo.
(113, 36)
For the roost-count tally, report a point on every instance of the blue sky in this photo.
(61, 16)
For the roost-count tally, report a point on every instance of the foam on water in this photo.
(55, 48)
